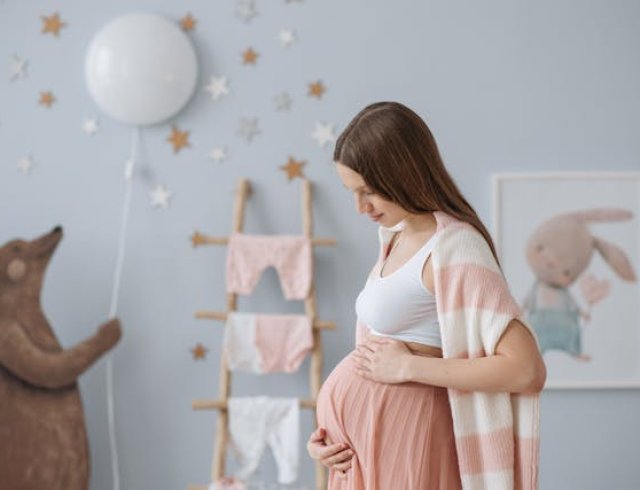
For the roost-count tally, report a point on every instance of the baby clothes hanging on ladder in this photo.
(261, 343)
(255, 422)
(249, 255)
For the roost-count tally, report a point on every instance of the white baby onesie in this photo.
(255, 422)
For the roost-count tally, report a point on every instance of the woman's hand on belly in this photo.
(382, 359)
(334, 456)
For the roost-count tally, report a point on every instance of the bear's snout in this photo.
(46, 244)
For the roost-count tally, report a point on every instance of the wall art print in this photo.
(569, 246)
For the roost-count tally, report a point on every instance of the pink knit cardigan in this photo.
(496, 433)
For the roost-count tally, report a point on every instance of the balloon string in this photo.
(125, 218)
(112, 430)
(114, 301)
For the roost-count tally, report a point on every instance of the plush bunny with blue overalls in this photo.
(558, 251)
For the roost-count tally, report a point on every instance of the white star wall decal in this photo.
(324, 134)
(17, 68)
(90, 126)
(217, 87)
(160, 197)
(246, 10)
(25, 164)
(248, 128)
(283, 102)
(287, 37)
(218, 155)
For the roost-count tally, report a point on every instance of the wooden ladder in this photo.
(242, 192)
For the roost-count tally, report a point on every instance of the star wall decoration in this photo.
(283, 101)
(25, 164)
(51, 24)
(246, 10)
(188, 22)
(316, 89)
(160, 197)
(218, 155)
(179, 139)
(17, 68)
(217, 87)
(197, 239)
(47, 99)
(199, 352)
(249, 56)
(324, 134)
(293, 168)
(248, 128)
(287, 37)
(90, 126)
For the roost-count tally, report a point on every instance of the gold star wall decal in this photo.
(179, 139)
(293, 168)
(317, 89)
(52, 24)
(199, 351)
(249, 57)
(188, 22)
(197, 239)
(47, 99)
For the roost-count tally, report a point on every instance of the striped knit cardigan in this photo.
(496, 433)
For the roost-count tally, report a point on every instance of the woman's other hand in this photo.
(382, 359)
(334, 456)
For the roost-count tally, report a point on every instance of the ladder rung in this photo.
(222, 316)
(198, 239)
(222, 404)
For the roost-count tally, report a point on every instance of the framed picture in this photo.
(569, 246)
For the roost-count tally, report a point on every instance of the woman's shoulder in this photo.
(451, 223)
(452, 230)
(459, 242)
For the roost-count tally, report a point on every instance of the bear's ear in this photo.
(16, 269)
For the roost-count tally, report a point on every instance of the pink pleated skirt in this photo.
(402, 434)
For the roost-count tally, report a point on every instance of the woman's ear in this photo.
(16, 269)
(616, 258)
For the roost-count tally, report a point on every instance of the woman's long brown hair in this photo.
(393, 150)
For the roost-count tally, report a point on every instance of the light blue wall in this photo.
(505, 86)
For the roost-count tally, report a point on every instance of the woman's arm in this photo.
(516, 366)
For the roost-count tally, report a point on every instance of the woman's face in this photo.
(379, 209)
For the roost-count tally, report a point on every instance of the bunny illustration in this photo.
(558, 252)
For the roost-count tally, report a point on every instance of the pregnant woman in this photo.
(441, 390)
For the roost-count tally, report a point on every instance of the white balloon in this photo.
(141, 69)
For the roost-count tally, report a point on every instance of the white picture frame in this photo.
(589, 329)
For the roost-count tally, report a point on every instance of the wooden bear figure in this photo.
(43, 440)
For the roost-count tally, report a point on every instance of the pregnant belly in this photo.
(348, 402)
(403, 425)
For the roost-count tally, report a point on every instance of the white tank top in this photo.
(398, 305)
